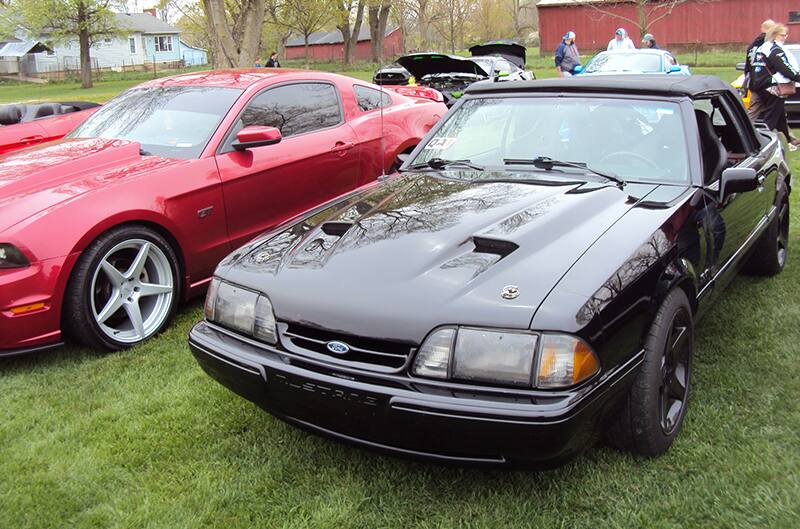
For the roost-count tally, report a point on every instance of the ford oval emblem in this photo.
(338, 348)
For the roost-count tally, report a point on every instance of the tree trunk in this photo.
(225, 37)
(305, 43)
(378, 18)
(350, 36)
(84, 42)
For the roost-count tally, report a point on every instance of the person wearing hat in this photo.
(621, 41)
(567, 55)
(649, 41)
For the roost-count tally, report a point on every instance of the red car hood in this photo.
(37, 179)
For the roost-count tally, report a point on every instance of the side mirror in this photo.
(674, 69)
(737, 180)
(740, 66)
(256, 136)
(578, 69)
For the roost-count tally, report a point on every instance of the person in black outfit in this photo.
(755, 108)
(771, 67)
(273, 60)
(649, 41)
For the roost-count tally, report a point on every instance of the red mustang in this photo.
(23, 125)
(104, 232)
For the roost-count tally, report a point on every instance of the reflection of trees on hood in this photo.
(647, 255)
(413, 204)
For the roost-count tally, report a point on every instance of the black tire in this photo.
(647, 422)
(90, 284)
(770, 252)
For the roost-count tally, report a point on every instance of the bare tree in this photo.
(234, 29)
(450, 24)
(648, 12)
(378, 18)
(523, 16)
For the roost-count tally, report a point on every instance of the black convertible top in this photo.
(668, 85)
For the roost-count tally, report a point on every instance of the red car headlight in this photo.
(12, 257)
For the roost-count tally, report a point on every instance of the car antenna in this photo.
(383, 175)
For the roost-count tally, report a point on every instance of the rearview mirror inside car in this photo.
(256, 136)
(737, 180)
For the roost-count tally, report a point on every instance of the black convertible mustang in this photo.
(532, 277)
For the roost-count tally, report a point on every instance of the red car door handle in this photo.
(341, 147)
(31, 139)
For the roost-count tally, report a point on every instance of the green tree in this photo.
(65, 20)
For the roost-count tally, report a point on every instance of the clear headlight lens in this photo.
(492, 356)
(512, 358)
(564, 361)
(241, 310)
(433, 358)
(12, 257)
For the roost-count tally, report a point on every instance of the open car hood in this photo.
(513, 52)
(421, 64)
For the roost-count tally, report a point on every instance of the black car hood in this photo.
(406, 255)
(422, 64)
(513, 52)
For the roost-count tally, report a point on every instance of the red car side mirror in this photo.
(256, 136)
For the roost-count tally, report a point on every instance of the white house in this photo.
(145, 39)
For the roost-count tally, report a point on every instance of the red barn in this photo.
(714, 22)
(329, 45)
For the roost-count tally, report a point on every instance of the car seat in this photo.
(715, 157)
(10, 114)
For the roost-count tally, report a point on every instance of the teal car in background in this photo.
(647, 61)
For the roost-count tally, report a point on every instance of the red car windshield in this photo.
(169, 121)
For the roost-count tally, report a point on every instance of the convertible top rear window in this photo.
(633, 139)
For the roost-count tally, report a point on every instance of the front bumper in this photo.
(41, 282)
(465, 425)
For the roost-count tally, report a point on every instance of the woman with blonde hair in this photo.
(755, 107)
(775, 73)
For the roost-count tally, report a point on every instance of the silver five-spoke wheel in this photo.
(132, 291)
(123, 289)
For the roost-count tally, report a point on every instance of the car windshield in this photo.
(632, 139)
(169, 121)
(625, 62)
(485, 64)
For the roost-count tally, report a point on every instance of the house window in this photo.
(107, 40)
(164, 43)
(132, 44)
(794, 17)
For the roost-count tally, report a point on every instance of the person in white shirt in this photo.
(621, 41)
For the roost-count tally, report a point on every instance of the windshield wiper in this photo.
(543, 162)
(439, 163)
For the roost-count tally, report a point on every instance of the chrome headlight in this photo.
(511, 358)
(241, 310)
(12, 257)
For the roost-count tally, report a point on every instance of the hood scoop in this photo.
(336, 228)
(493, 246)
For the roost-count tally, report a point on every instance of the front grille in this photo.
(384, 353)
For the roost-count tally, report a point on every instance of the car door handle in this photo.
(341, 147)
(32, 139)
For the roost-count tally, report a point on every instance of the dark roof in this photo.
(691, 85)
(334, 37)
